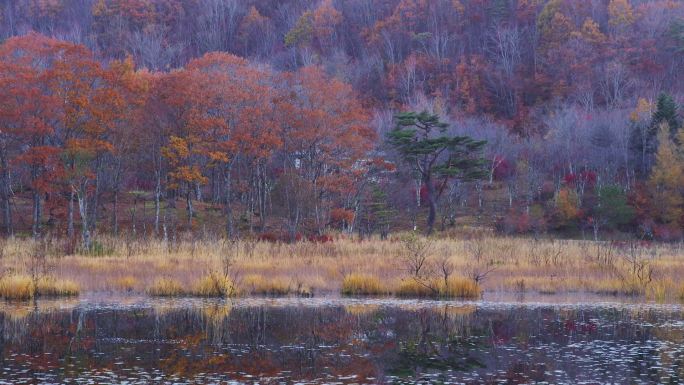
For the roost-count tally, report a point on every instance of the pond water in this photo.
(193, 341)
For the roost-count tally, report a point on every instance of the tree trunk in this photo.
(596, 231)
(115, 215)
(116, 188)
(293, 208)
(35, 229)
(262, 189)
(215, 188)
(83, 211)
(5, 191)
(480, 197)
(384, 232)
(94, 205)
(432, 203)
(188, 202)
(198, 192)
(230, 227)
(7, 213)
(157, 202)
(293, 225)
(70, 215)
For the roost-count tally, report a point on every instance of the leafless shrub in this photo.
(629, 262)
(444, 266)
(38, 264)
(230, 253)
(546, 253)
(639, 271)
(505, 249)
(475, 248)
(605, 255)
(479, 266)
(415, 254)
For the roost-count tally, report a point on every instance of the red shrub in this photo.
(325, 238)
(340, 216)
(667, 233)
(269, 237)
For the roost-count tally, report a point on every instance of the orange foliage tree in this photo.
(327, 134)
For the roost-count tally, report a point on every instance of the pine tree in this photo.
(424, 144)
(644, 136)
(677, 34)
(499, 9)
(611, 209)
(375, 214)
(666, 112)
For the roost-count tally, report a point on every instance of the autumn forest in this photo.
(294, 120)
(342, 191)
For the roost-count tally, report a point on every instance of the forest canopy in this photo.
(272, 118)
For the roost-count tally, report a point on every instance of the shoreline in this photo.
(493, 300)
(404, 266)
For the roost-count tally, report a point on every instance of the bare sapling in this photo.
(639, 272)
(444, 266)
(39, 267)
(415, 254)
(479, 266)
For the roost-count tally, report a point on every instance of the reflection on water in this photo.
(339, 341)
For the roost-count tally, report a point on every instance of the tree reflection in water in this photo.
(346, 341)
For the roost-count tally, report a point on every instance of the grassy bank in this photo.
(405, 265)
(24, 287)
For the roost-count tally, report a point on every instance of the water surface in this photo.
(142, 341)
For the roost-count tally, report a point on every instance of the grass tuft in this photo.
(257, 284)
(412, 288)
(455, 287)
(214, 285)
(458, 287)
(17, 287)
(22, 287)
(166, 287)
(681, 293)
(362, 284)
(52, 287)
(126, 283)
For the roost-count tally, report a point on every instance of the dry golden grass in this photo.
(458, 287)
(52, 287)
(17, 287)
(213, 285)
(166, 287)
(681, 293)
(258, 284)
(659, 289)
(22, 287)
(126, 283)
(508, 265)
(455, 287)
(411, 288)
(363, 284)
